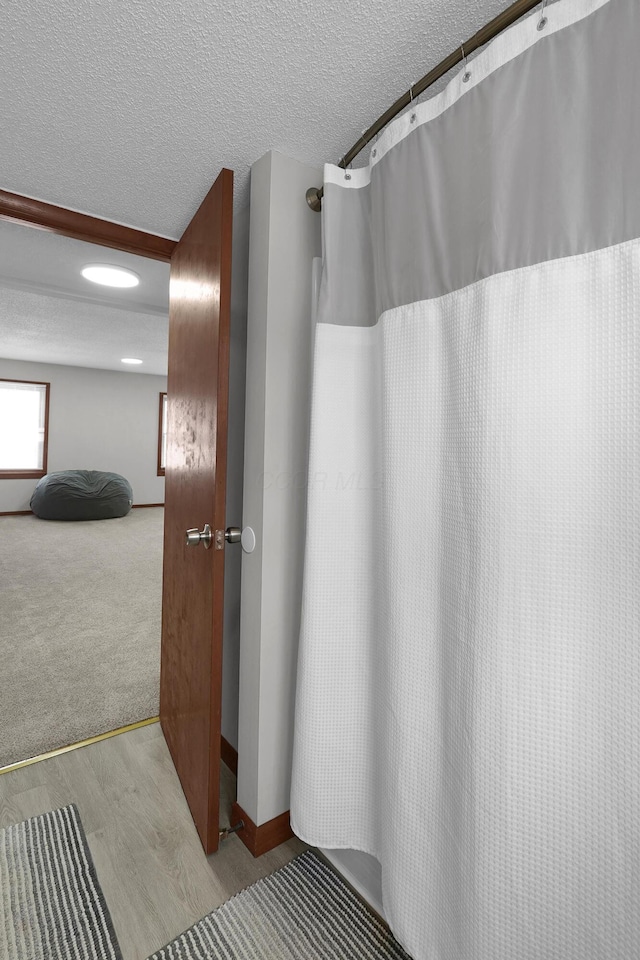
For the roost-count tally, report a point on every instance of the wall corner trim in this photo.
(261, 839)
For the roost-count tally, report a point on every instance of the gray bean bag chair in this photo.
(81, 495)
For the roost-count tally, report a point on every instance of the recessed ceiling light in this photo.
(110, 276)
(130, 360)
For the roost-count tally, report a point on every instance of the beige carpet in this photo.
(80, 609)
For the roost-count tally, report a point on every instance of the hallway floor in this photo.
(151, 866)
(80, 628)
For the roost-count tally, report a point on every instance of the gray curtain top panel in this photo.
(539, 160)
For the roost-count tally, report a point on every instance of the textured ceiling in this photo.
(50, 314)
(49, 329)
(34, 259)
(129, 110)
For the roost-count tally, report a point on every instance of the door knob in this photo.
(205, 536)
(245, 537)
(235, 535)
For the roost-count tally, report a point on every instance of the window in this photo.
(162, 434)
(24, 420)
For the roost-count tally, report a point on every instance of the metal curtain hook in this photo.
(467, 73)
(542, 22)
(412, 118)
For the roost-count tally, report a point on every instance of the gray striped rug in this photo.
(301, 912)
(51, 905)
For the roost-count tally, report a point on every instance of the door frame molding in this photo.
(16, 208)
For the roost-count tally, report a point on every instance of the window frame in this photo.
(161, 469)
(32, 474)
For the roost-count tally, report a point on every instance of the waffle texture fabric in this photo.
(468, 707)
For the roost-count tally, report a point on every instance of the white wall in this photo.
(363, 872)
(285, 236)
(98, 420)
(284, 239)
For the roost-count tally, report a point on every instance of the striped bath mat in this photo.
(301, 912)
(52, 908)
(51, 905)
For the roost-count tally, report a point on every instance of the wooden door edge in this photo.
(225, 181)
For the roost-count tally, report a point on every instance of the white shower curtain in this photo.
(468, 707)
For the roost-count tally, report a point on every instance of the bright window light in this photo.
(22, 426)
(110, 276)
(132, 360)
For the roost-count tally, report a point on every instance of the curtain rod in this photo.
(484, 35)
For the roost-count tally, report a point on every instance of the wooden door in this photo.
(195, 488)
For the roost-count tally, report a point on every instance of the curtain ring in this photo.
(412, 118)
(466, 76)
(542, 22)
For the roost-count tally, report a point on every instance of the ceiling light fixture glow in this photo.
(110, 276)
(132, 360)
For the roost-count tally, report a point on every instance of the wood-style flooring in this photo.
(151, 866)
